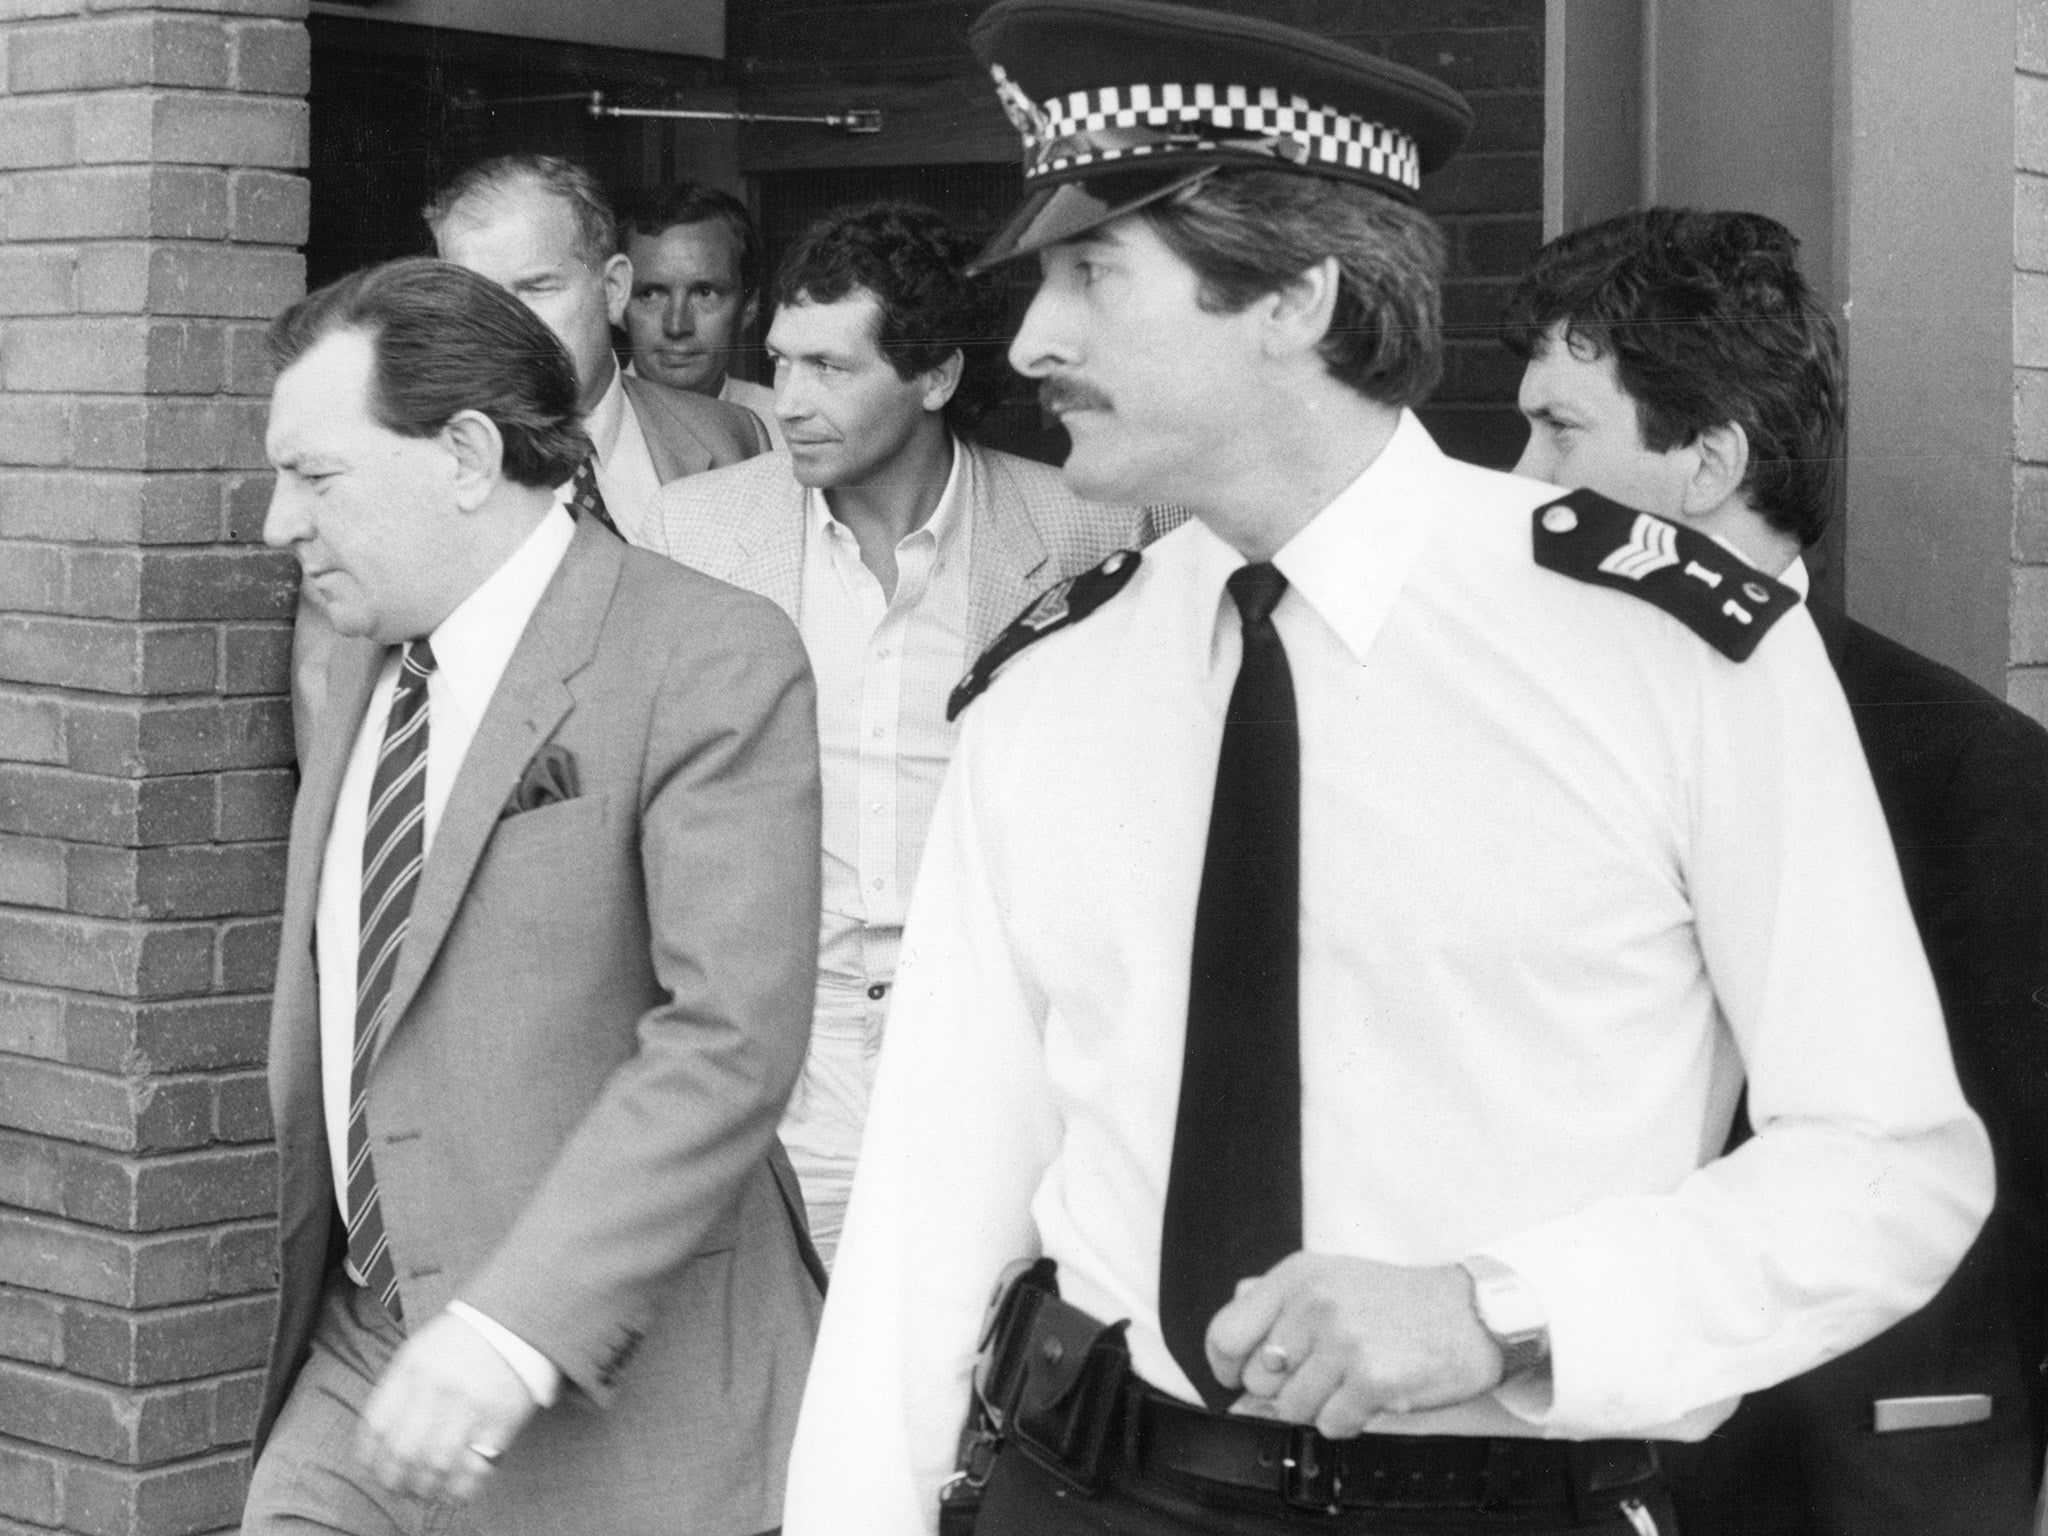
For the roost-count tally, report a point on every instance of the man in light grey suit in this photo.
(901, 550)
(546, 969)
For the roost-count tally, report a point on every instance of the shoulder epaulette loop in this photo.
(1069, 602)
(1707, 587)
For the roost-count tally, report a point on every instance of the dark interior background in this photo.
(397, 109)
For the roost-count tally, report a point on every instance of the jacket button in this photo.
(878, 991)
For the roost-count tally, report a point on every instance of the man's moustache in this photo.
(1057, 395)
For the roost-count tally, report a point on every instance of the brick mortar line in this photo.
(231, 1224)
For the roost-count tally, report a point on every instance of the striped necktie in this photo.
(585, 499)
(394, 848)
(1233, 1193)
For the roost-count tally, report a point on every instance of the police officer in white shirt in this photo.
(1345, 928)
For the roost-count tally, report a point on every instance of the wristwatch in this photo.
(1510, 1310)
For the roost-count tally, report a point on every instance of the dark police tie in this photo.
(394, 848)
(1233, 1198)
(585, 499)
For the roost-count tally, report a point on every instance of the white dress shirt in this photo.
(1566, 873)
(471, 648)
(884, 666)
(625, 469)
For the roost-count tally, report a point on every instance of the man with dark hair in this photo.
(696, 292)
(1677, 362)
(541, 226)
(900, 548)
(1345, 928)
(545, 976)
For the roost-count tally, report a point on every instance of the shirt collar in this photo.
(603, 421)
(474, 643)
(1353, 558)
(946, 516)
(1794, 575)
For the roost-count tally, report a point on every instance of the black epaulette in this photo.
(1708, 588)
(1055, 608)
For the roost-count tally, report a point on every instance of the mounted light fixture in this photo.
(856, 120)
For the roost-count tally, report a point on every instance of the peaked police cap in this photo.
(1123, 102)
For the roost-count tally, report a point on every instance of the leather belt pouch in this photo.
(1074, 1371)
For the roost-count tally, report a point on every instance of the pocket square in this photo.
(549, 779)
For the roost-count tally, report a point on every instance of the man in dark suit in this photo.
(1676, 362)
(545, 979)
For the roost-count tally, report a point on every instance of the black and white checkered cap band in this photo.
(1084, 127)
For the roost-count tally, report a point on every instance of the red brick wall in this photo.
(149, 220)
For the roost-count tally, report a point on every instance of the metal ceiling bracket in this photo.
(855, 120)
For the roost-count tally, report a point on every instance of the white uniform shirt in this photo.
(884, 667)
(471, 648)
(1565, 871)
(625, 469)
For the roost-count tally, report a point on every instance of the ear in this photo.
(942, 381)
(479, 450)
(1298, 313)
(618, 286)
(750, 312)
(1720, 465)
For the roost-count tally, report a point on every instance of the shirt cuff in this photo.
(542, 1377)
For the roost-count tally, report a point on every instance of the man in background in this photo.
(545, 980)
(543, 228)
(901, 549)
(1678, 363)
(696, 293)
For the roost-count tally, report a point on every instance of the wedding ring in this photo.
(488, 1454)
(1276, 1359)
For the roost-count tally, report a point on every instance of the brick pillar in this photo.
(2027, 676)
(149, 224)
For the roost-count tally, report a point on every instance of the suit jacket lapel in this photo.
(1007, 562)
(352, 669)
(530, 701)
(768, 547)
(673, 449)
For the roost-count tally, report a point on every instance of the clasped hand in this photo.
(1332, 1341)
(445, 1392)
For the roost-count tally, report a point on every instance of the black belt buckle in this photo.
(1309, 1475)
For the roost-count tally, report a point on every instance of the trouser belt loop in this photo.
(1498, 1480)
(1131, 1429)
